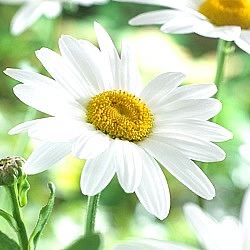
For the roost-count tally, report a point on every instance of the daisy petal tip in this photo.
(7, 71)
(210, 196)
(132, 22)
(163, 215)
(98, 26)
(29, 170)
(229, 136)
(214, 87)
(12, 132)
(40, 51)
(85, 191)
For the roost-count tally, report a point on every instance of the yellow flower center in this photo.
(227, 12)
(120, 115)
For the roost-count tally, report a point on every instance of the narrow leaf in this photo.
(7, 243)
(9, 218)
(43, 217)
(88, 242)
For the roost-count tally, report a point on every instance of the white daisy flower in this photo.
(150, 244)
(229, 233)
(228, 20)
(101, 112)
(32, 10)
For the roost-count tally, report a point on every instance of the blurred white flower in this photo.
(228, 20)
(227, 234)
(32, 10)
(101, 113)
(150, 244)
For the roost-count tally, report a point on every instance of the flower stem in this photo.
(21, 232)
(223, 49)
(91, 213)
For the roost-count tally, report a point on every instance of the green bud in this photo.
(23, 187)
(10, 170)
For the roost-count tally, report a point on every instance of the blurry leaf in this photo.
(43, 217)
(7, 243)
(9, 218)
(88, 242)
(23, 188)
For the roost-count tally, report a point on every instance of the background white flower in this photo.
(228, 20)
(100, 112)
(228, 233)
(32, 10)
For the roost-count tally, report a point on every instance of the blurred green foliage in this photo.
(120, 215)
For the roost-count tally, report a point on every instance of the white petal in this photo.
(187, 92)
(243, 41)
(64, 73)
(48, 99)
(150, 244)
(181, 167)
(198, 109)
(130, 77)
(245, 218)
(227, 33)
(52, 9)
(161, 86)
(13, 1)
(23, 127)
(109, 53)
(194, 91)
(204, 225)
(97, 173)
(194, 127)
(176, 26)
(87, 59)
(29, 77)
(153, 191)
(25, 17)
(179, 22)
(129, 162)
(152, 17)
(46, 155)
(91, 144)
(180, 4)
(88, 2)
(232, 234)
(51, 129)
(193, 147)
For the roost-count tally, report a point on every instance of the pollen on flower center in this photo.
(120, 115)
(227, 12)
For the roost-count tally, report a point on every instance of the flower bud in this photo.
(10, 170)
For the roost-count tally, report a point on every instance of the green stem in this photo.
(223, 49)
(21, 232)
(91, 214)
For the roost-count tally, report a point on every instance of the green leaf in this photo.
(88, 242)
(43, 218)
(9, 218)
(6, 243)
